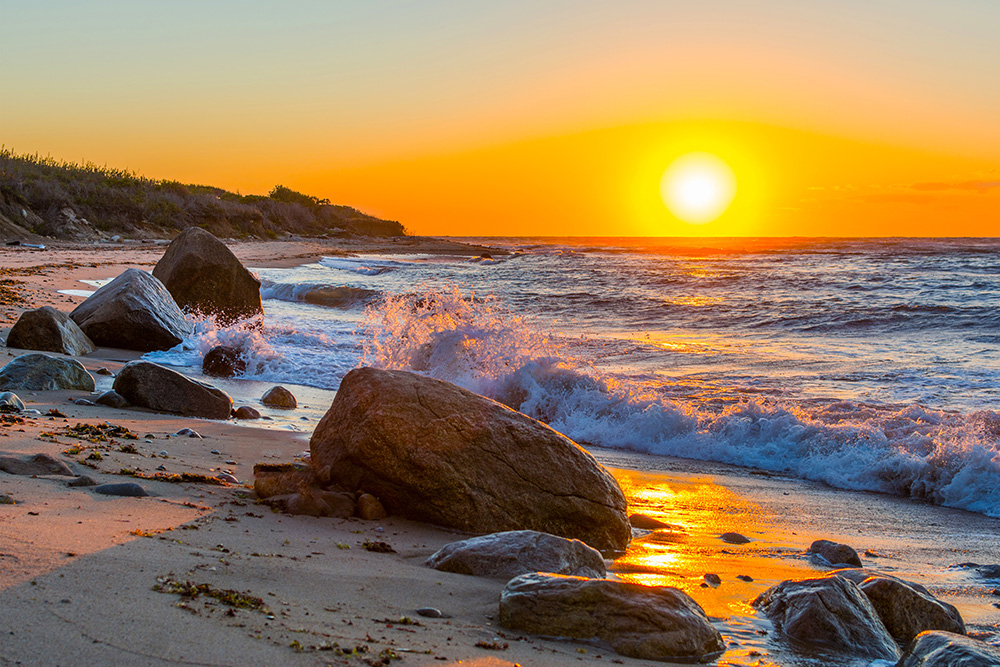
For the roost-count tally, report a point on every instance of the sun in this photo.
(698, 187)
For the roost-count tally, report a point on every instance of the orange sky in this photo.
(541, 118)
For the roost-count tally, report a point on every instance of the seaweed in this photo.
(174, 478)
(190, 591)
(95, 433)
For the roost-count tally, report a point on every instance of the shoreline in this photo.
(320, 592)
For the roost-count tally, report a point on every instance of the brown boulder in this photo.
(204, 276)
(279, 397)
(370, 508)
(516, 552)
(835, 553)
(906, 612)
(148, 385)
(224, 361)
(434, 452)
(49, 330)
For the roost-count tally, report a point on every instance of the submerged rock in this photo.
(279, 397)
(432, 451)
(835, 553)
(50, 330)
(944, 649)
(224, 361)
(645, 622)
(40, 372)
(133, 312)
(148, 385)
(37, 464)
(512, 553)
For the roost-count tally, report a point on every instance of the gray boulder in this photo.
(829, 612)
(149, 385)
(10, 402)
(509, 554)
(37, 464)
(944, 649)
(834, 553)
(279, 397)
(132, 312)
(646, 622)
(204, 276)
(50, 330)
(434, 452)
(906, 611)
(40, 372)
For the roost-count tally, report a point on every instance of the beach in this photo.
(80, 569)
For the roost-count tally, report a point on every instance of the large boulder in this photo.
(906, 611)
(148, 385)
(432, 451)
(132, 312)
(944, 649)
(204, 276)
(40, 372)
(646, 622)
(48, 329)
(829, 612)
(512, 553)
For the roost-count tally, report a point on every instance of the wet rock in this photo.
(713, 579)
(279, 397)
(227, 478)
(82, 480)
(645, 522)
(246, 412)
(835, 553)
(316, 502)
(112, 399)
(989, 571)
(906, 612)
(130, 489)
(10, 402)
(512, 553)
(430, 612)
(204, 276)
(161, 389)
(945, 649)
(133, 312)
(338, 297)
(419, 445)
(744, 577)
(734, 538)
(37, 464)
(50, 330)
(370, 508)
(829, 612)
(645, 622)
(224, 361)
(40, 372)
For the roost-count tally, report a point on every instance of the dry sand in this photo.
(77, 570)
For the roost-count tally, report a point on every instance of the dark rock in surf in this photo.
(512, 553)
(49, 330)
(40, 372)
(204, 276)
(835, 553)
(645, 622)
(152, 386)
(945, 649)
(132, 312)
(224, 361)
(419, 445)
(279, 397)
(338, 297)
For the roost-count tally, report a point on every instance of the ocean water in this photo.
(868, 364)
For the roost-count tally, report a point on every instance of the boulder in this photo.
(944, 649)
(112, 399)
(122, 489)
(38, 464)
(10, 402)
(40, 372)
(279, 397)
(906, 612)
(149, 385)
(834, 553)
(132, 312)
(512, 553)
(370, 508)
(204, 276)
(48, 329)
(224, 361)
(829, 612)
(246, 412)
(434, 452)
(645, 622)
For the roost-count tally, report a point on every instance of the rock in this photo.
(734, 538)
(338, 297)
(279, 397)
(944, 649)
(859, 574)
(82, 480)
(103, 371)
(133, 312)
(246, 412)
(10, 402)
(512, 553)
(906, 612)
(644, 522)
(152, 386)
(40, 372)
(713, 579)
(646, 622)
(744, 577)
(830, 612)
(112, 399)
(434, 452)
(430, 612)
(316, 502)
(224, 361)
(989, 571)
(38, 464)
(278, 479)
(48, 329)
(6, 500)
(834, 553)
(370, 508)
(227, 478)
(124, 489)
(84, 402)
(191, 433)
(204, 276)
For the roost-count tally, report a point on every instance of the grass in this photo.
(69, 200)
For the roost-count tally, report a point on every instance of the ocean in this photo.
(865, 364)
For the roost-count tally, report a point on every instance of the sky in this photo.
(542, 118)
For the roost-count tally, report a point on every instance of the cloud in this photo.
(982, 187)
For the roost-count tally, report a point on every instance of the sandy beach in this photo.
(90, 579)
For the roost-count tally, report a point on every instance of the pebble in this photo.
(83, 401)
(744, 577)
(149, 436)
(215, 451)
(189, 432)
(226, 477)
(734, 538)
(163, 452)
(713, 579)
(161, 467)
(103, 371)
(231, 462)
(430, 612)
(124, 489)
(6, 500)
(31, 412)
(82, 480)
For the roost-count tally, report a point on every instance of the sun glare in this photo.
(698, 187)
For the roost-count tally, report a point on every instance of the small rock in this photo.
(713, 579)
(38, 464)
(230, 462)
(834, 553)
(369, 508)
(191, 433)
(103, 371)
(226, 477)
(9, 402)
(124, 489)
(744, 577)
(646, 522)
(430, 612)
(734, 538)
(161, 467)
(163, 452)
(83, 401)
(112, 399)
(82, 480)
(216, 452)
(279, 397)
(6, 500)
(246, 412)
